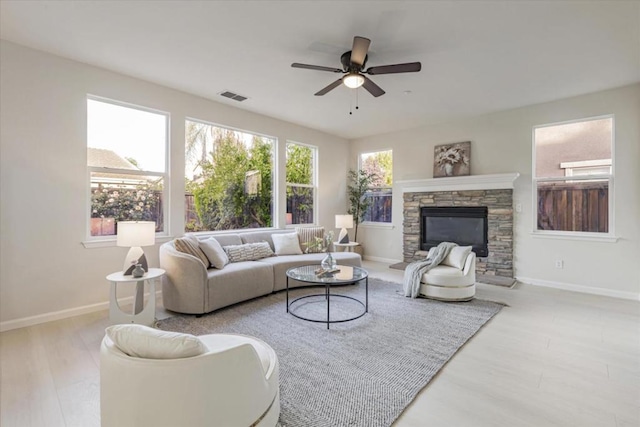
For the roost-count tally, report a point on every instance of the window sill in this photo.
(111, 242)
(585, 237)
(388, 225)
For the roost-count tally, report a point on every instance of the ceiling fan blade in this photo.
(316, 67)
(410, 67)
(373, 88)
(331, 87)
(359, 50)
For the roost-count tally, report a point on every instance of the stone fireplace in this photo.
(491, 192)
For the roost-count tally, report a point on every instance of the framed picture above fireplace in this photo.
(452, 159)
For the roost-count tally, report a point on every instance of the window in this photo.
(126, 157)
(301, 183)
(379, 166)
(228, 177)
(573, 175)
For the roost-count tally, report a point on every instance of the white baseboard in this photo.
(379, 259)
(63, 314)
(580, 288)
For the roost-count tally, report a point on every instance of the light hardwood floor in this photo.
(551, 358)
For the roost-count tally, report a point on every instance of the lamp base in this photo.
(134, 256)
(343, 237)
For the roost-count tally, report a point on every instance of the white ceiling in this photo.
(477, 56)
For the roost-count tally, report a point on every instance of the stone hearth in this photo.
(497, 196)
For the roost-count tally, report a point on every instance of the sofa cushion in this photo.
(148, 343)
(228, 239)
(214, 252)
(286, 244)
(261, 236)
(236, 282)
(190, 245)
(309, 234)
(457, 256)
(248, 251)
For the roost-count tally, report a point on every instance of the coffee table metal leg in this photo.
(366, 293)
(328, 303)
(287, 294)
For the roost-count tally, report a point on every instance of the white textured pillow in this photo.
(213, 250)
(148, 343)
(457, 256)
(286, 244)
(248, 251)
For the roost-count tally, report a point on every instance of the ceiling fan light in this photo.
(353, 80)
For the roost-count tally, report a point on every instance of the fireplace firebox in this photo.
(464, 225)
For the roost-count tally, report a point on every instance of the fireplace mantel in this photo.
(460, 183)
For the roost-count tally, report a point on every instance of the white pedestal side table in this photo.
(140, 315)
(346, 247)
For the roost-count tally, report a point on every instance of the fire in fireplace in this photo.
(464, 225)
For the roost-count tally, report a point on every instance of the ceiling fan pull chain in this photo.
(357, 102)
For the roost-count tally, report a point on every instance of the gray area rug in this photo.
(358, 373)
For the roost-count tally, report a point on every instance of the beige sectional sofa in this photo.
(190, 287)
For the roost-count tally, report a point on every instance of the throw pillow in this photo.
(214, 252)
(309, 234)
(248, 251)
(457, 256)
(148, 343)
(286, 244)
(190, 245)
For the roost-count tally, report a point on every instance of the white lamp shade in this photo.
(344, 221)
(136, 233)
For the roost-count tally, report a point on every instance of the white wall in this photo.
(44, 267)
(501, 143)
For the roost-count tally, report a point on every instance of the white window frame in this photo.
(609, 177)
(101, 241)
(379, 224)
(314, 185)
(274, 174)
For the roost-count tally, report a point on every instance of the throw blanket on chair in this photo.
(414, 271)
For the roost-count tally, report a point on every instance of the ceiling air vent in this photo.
(233, 96)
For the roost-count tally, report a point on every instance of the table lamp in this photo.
(344, 222)
(134, 234)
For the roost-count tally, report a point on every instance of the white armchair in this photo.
(234, 383)
(451, 283)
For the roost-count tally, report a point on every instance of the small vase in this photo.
(138, 271)
(448, 169)
(328, 262)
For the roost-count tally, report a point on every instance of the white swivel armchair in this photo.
(452, 280)
(234, 383)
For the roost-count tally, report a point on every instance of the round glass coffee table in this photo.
(347, 275)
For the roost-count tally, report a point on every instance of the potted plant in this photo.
(358, 184)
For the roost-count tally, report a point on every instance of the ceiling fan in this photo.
(353, 63)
